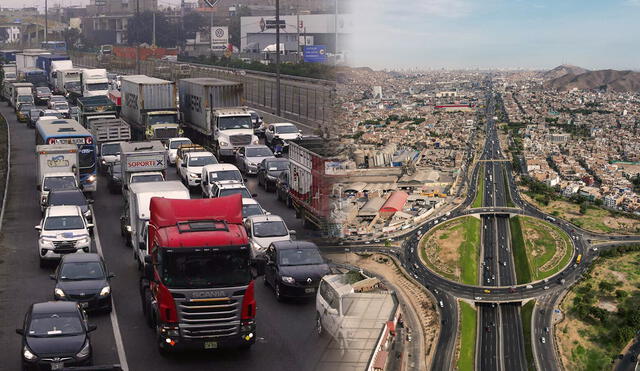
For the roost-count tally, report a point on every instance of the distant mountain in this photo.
(562, 70)
(611, 80)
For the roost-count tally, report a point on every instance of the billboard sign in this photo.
(315, 53)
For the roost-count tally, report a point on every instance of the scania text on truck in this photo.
(197, 291)
(149, 106)
(214, 118)
(136, 157)
(136, 211)
(56, 165)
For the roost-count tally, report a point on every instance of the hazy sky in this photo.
(496, 33)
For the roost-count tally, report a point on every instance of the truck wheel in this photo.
(146, 307)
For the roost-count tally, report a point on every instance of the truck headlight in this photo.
(223, 143)
(26, 353)
(287, 279)
(58, 293)
(105, 291)
(84, 352)
(91, 179)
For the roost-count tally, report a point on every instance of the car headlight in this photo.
(223, 143)
(193, 175)
(59, 293)
(85, 240)
(255, 141)
(287, 279)
(26, 353)
(84, 352)
(128, 228)
(105, 291)
(46, 243)
(103, 162)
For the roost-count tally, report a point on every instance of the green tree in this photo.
(621, 294)
(606, 286)
(141, 30)
(583, 208)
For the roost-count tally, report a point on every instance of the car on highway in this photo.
(249, 157)
(478, 298)
(256, 119)
(62, 107)
(218, 173)
(56, 182)
(33, 116)
(55, 335)
(227, 188)
(546, 287)
(63, 230)
(283, 130)
(172, 148)
(190, 169)
(486, 291)
(269, 170)
(56, 98)
(262, 231)
(282, 188)
(84, 278)
(294, 269)
(543, 340)
(42, 95)
(251, 207)
(71, 197)
(23, 112)
(114, 177)
(183, 149)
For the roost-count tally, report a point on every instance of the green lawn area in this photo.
(477, 202)
(523, 271)
(527, 311)
(466, 360)
(603, 313)
(530, 258)
(469, 249)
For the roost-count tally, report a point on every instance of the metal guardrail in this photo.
(308, 101)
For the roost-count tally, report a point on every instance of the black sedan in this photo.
(83, 278)
(269, 170)
(114, 176)
(55, 335)
(294, 269)
(34, 115)
(71, 197)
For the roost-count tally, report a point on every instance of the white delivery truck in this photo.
(213, 116)
(56, 169)
(22, 92)
(94, 82)
(149, 106)
(136, 211)
(141, 157)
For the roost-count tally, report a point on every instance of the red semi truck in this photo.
(197, 290)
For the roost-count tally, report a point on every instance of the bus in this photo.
(58, 47)
(579, 259)
(67, 131)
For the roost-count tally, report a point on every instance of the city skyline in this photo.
(496, 34)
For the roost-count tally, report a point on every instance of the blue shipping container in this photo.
(44, 62)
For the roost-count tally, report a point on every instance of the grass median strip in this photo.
(477, 202)
(470, 251)
(507, 190)
(527, 312)
(523, 270)
(466, 359)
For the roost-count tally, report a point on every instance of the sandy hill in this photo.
(603, 79)
(562, 70)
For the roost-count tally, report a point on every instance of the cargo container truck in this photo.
(311, 160)
(213, 115)
(149, 106)
(66, 81)
(45, 63)
(36, 76)
(202, 295)
(28, 58)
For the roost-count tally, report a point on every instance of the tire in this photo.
(146, 308)
(276, 290)
(319, 328)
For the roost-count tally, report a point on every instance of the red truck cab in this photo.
(198, 291)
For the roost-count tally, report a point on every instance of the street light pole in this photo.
(46, 23)
(277, 57)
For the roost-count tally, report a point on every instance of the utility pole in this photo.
(298, 30)
(137, 18)
(46, 24)
(335, 52)
(153, 43)
(277, 57)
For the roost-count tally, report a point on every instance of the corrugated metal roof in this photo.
(395, 202)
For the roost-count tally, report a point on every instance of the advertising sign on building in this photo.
(315, 53)
(219, 37)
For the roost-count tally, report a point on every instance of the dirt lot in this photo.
(408, 292)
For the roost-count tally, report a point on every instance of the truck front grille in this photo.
(166, 133)
(240, 139)
(205, 318)
(64, 247)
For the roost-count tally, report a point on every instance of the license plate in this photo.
(210, 344)
(310, 290)
(57, 366)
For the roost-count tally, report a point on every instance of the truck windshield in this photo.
(299, 257)
(110, 149)
(217, 176)
(147, 178)
(59, 182)
(9, 75)
(235, 122)
(272, 228)
(202, 161)
(63, 223)
(228, 192)
(162, 119)
(98, 86)
(197, 269)
(25, 99)
(73, 85)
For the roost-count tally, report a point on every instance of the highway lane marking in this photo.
(6, 185)
(122, 357)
